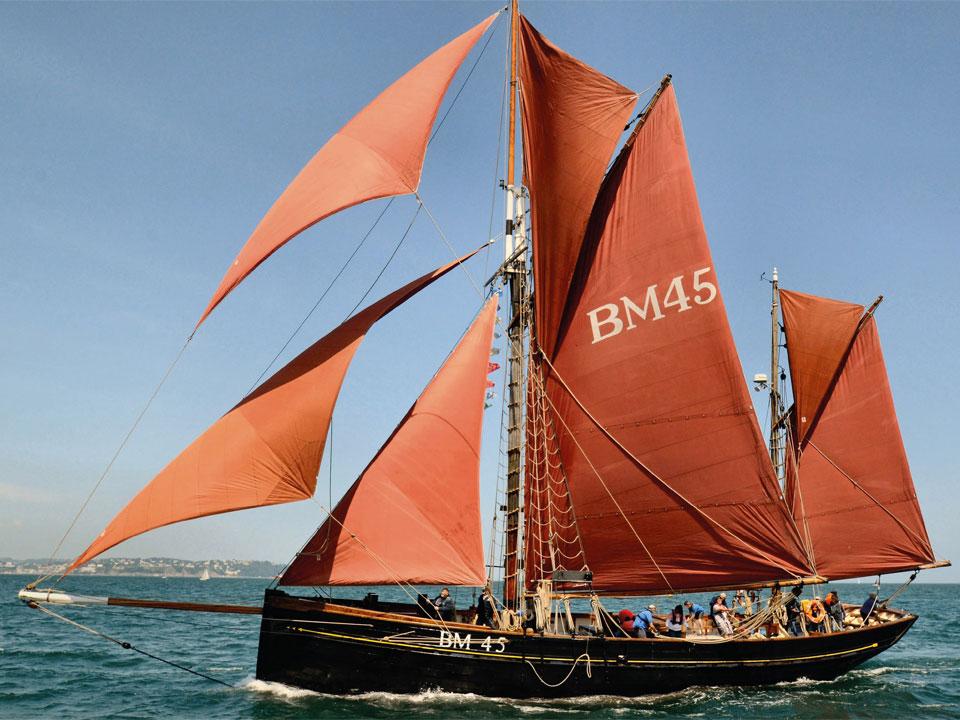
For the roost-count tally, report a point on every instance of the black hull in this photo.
(338, 649)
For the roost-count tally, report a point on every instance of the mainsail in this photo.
(267, 449)
(849, 485)
(413, 515)
(377, 154)
(668, 474)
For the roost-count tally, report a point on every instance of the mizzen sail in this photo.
(377, 154)
(413, 515)
(850, 487)
(668, 473)
(267, 449)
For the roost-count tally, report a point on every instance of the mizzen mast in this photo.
(777, 417)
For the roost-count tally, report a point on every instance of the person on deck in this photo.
(834, 609)
(777, 626)
(485, 608)
(675, 622)
(869, 607)
(814, 614)
(721, 616)
(643, 622)
(753, 601)
(695, 615)
(445, 605)
(795, 624)
(627, 622)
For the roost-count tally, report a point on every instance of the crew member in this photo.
(485, 608)
(869, 607)
(675, 622)
(695, 615)
(445, 605)
(643, 622)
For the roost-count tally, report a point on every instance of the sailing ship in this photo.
(635, 462)
(205, 575)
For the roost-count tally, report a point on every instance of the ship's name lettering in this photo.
(455, 640)
(606, 321)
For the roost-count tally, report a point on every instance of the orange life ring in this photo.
(815, 611)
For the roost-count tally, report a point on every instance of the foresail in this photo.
(266, 450)
(413, 515)
(573, 117)
(668, 473)
(377, 154)
(850, 487)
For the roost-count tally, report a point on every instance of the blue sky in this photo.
(141, 143)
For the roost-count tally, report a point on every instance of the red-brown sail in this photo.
(851, 489)
(572, 119)
(821, 331)
(377, 154)
(267, 449)
(414, 514)
(669, 477)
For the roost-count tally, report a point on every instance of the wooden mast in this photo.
(516, 276)
(777, 446)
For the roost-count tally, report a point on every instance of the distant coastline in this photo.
(159, 567)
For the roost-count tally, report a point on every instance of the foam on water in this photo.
(275, 689)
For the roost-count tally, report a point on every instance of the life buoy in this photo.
(815, 611)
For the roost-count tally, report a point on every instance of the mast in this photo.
(516, 277)
(776, 399)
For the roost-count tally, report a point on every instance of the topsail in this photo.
(377, 154)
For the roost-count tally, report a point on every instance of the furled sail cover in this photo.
(852, 490)
(573, 117)
(414, 514)
(377, 154)
(647, 350)
(820, 334)
(267, 449)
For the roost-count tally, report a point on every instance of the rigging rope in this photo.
(323, 294)
(663, 483)
(126, 645)
(113, 459)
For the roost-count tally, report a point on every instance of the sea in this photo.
(51, 669)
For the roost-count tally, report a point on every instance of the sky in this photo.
(140, 143)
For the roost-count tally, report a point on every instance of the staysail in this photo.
(267, 449)
(668, 473)
(850, 487)
(413, 515)
(573, 117)
(377, 154)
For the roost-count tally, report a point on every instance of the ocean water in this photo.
(49, 669)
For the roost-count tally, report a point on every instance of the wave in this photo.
(285, 692)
